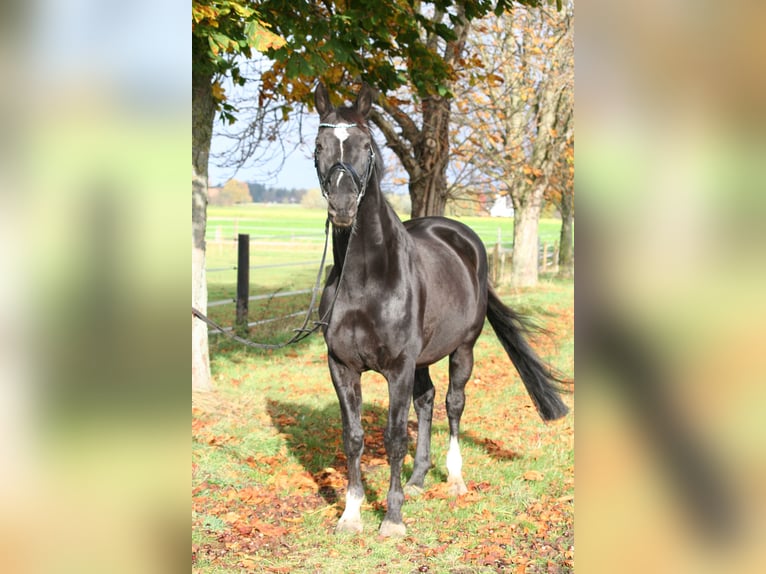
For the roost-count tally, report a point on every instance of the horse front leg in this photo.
(399, 396)
(349, 390)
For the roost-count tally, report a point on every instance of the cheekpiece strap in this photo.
(337, 125)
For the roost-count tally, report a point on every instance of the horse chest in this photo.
(372, 332)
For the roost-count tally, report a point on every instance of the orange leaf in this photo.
(533, 475)
(269, 530)
(219, 94)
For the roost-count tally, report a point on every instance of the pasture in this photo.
(285, 222)
(268, 471)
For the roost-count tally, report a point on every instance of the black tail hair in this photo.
(541, 381)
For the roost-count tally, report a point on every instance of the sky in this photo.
(296, 173)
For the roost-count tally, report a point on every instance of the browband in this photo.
(337, 125)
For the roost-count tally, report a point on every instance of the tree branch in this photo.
(397, 144)
(410, 130)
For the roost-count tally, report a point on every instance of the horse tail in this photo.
(543, 385)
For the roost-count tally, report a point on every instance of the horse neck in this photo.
(377, 229)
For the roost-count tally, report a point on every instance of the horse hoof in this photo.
(457, 487)
(413, 490)
(349, 527)
(390, 529)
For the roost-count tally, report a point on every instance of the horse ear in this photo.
(322, 100)
(364, 100)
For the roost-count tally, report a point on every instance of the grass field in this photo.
(285, 222)
(268, 473)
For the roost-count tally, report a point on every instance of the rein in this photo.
(300, 333)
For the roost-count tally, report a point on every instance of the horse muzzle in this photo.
(342, 217)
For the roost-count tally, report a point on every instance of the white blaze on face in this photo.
(341, 132)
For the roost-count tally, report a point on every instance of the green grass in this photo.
(285, 222)
(269, 474)
(272, 222)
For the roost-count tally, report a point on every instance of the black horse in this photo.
(403, 296)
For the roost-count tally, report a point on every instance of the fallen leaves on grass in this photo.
(497, 449)
(244, 524)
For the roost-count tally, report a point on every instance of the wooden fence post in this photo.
(243, 281)
(502, 267)
(496, 264)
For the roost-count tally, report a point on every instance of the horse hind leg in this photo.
(460, 367)
(423, 399)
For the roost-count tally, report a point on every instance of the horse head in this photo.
(345, 154)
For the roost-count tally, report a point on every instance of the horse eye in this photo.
(318, 148)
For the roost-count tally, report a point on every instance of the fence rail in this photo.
(269, 266)
(275, 295)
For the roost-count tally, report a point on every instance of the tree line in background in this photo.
(238, 192)
(235, 191)
(473, 95)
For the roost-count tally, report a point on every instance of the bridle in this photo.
(360, 184)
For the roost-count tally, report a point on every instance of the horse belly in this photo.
(448, 329)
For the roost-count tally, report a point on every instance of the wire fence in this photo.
(499, 255)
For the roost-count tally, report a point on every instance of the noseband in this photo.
(360, 184)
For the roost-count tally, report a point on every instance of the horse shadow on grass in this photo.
(314, 436)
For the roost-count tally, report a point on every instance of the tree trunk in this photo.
(424, 150)
(526, 219)
(203, 114)
(566, 243)
(429, 191)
